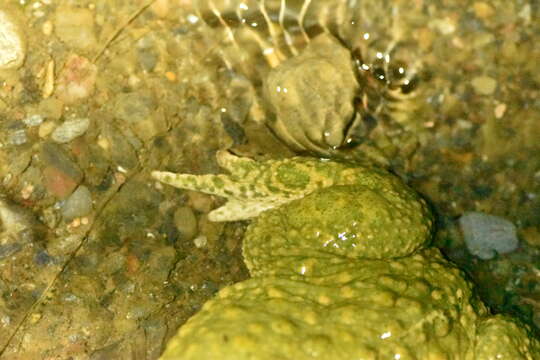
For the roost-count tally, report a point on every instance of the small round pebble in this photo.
(486, 235)
(484, 85)
(78, 204)
(186, 222)
(200, 241)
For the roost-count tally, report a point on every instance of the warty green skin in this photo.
(339, 271)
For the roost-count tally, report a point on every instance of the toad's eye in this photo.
(409, 86)
(379, 74)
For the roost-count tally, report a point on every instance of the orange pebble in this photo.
(170, 76)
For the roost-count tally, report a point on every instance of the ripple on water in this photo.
(258, 36)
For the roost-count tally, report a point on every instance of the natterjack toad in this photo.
(339, 271)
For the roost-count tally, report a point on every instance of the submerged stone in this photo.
(487, 235)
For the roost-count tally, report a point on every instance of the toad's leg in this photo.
(499, 337)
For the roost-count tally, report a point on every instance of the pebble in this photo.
(186, 222)
(482, 38)
(70, 130)
(138, 110)
(77, 79)
(531, 235)
(486, 235)
(45, 129)
(33, 120)
(16, 223)
(12, 41)
(161, 8)
(445, 26)
(9, 249)
(75, 27)
(43, 258)
(58, 183)
(61, 175)
(148, 57)
(200, 241)
(51, 108)
(484, 85)
(200, 202)
(62, 245)
(500, 110)
(18, 137)
(47, 28)
(47, 88)
(483, 10)
(19, 163)
(78, 204)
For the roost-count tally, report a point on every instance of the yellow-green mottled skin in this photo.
(339, 271)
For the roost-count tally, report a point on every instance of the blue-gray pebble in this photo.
(487, 235)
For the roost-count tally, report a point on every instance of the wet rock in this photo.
(113, 262)
(135, 106)
(487, 235)
(12, 41)
(58, 183)
(147, 55)
(77, 79)
(51, 108)
(484, 85)
(161, 262)
(42, 258)
(185, 222)
(94, 163)
(17, 137)
(445, 26)
(140, 311)
(135, 208)
(9, 249)
(33, 120)
(75, 27)
(19, 163)
(70, 130)
(483, 10)
(63, 245)
(18, 226)
(78, 204)
(200, 241)
(200, 202)
(60, 175)
(140, 111)
(46, 129)
(120, 150)
(531, 235)
(234, 130)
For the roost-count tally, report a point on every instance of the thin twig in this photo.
(121, 28)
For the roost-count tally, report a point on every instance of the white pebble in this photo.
(33, 120)
(12, 42)
(486, 235)
(200, 241)
(18, 137)
(70, 130)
